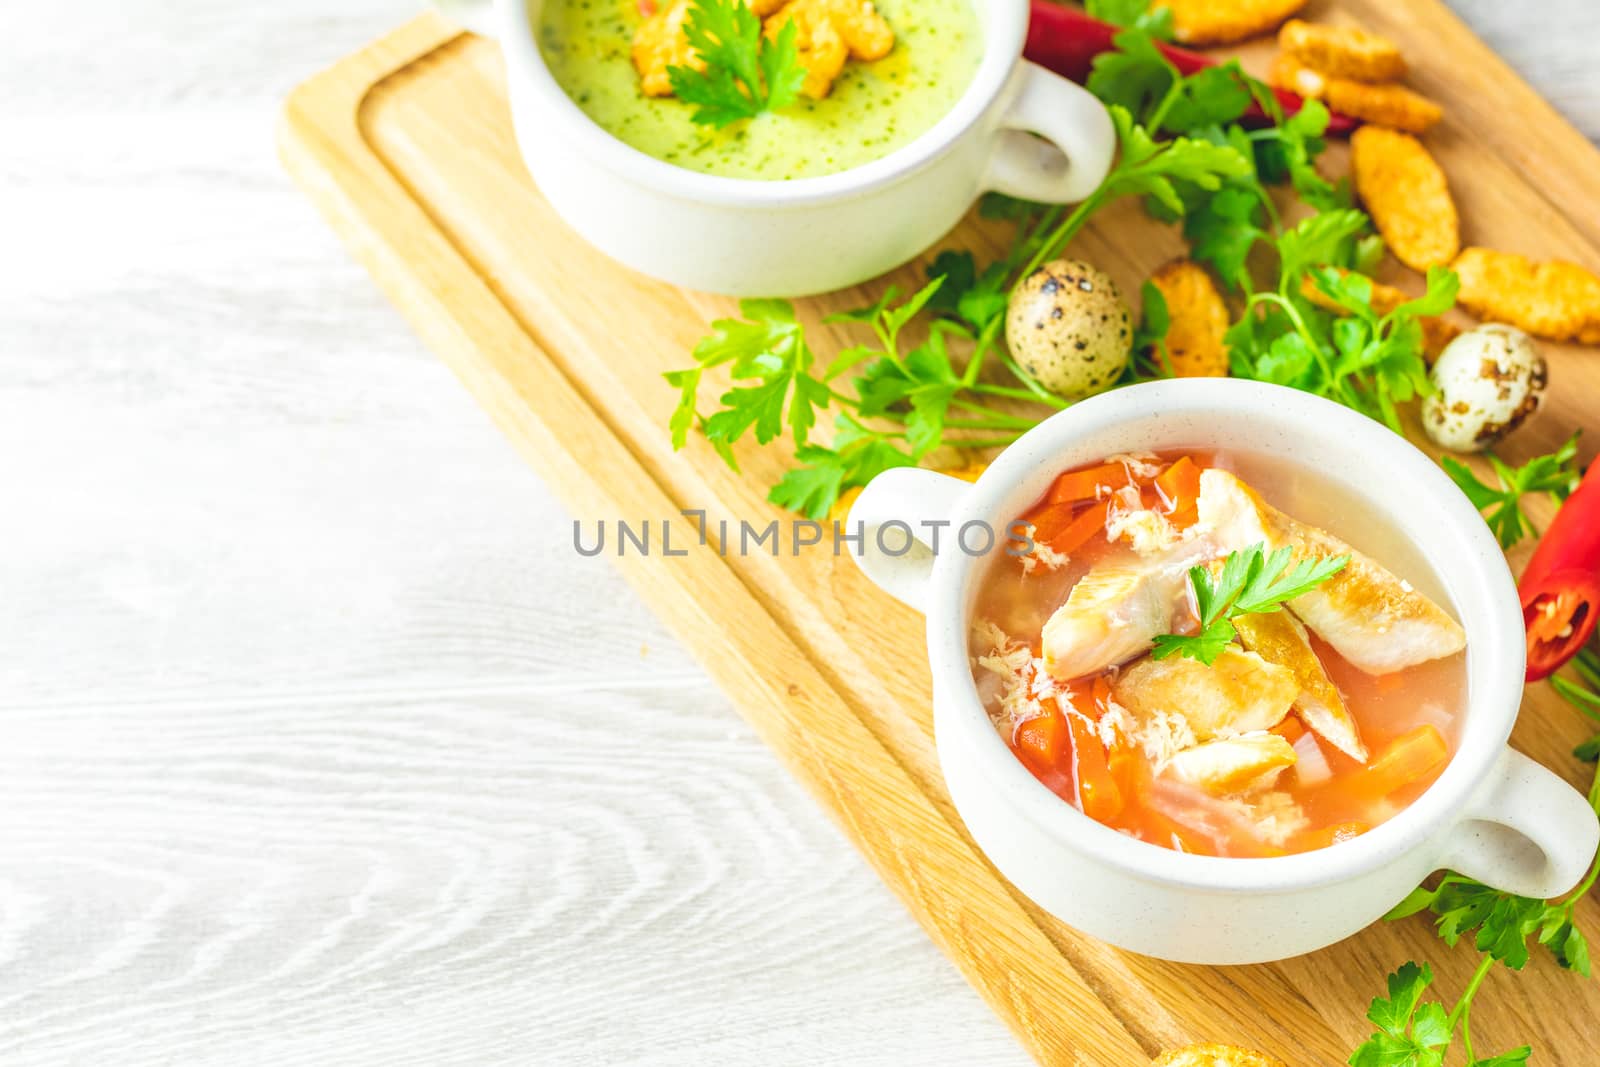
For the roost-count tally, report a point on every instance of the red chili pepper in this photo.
(1561, 587)
(1066, 41)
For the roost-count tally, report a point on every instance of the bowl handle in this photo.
(903, 518)
(1073, 124)
(1527, 832)
(474, 15)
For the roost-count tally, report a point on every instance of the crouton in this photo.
(1405, 192)
(1342, 51)
(1203, 22)
(1216, 1056)
(659, 43)
(828, 32)
(1555, 300)
(1197, 320)
(1393, 106)
(1436, 332)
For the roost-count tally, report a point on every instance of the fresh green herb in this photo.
(1250, 582)
(1584, 695)
(908, 398)
(1139, 79)
(1414, 1033)
(1364, 360)
(1555, 473)
(1501, 923)
(1134, 13)
(745, 72)
(768, 348)
(1146, 167)
(1151, 358)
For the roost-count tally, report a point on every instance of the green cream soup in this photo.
(874, 108)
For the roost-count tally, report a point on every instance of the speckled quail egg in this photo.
(1068, 327)
(1487, 382)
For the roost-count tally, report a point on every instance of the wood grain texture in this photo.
(305, 755)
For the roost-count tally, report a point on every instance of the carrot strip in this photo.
(1075, 486)
(1090, 522)
(1169, 833)
(1099, 697)
(1042, 740)
(1098, 795)
(1180, 487)
(1410, 758)
(1291, 729)
(1050, 521)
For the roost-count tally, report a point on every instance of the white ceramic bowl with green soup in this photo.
(817, 195)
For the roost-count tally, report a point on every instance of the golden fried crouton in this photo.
(1556, 300)
(1436, 332)
(659, 43)
(1406, 194)
(1394, 106)
(1289, 73)
(1197, 320)
(1216, 1056)
(830, 31)
(822, 50)
(1342, 51)
(1202, 22)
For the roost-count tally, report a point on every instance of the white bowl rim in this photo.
(1495, 643)
(1004, 30)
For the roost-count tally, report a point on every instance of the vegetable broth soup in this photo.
(868, 110)
(1192, 656)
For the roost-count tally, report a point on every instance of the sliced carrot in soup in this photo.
(1098, 795)
(1412, 758)
(1075, 486)
(1042, 741)
(1180, 488)
(1291, 729)
(1090, 522)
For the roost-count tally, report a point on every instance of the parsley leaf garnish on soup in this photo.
(741, 71)
(1192, 655)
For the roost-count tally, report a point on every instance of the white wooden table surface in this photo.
(318, 744)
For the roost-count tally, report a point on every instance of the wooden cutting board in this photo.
(407, 148)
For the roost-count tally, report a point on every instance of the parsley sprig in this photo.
(1361, 359)
(745, 72)
(1249, 582)
(1416, 1033)
(1555, 473)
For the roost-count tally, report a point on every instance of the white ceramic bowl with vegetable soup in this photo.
(817, 196)
(1332, 755)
